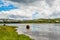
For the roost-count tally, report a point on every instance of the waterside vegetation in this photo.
(9, 33)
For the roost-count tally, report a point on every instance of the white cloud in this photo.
(15, 12)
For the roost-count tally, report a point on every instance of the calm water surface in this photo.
(40, 31)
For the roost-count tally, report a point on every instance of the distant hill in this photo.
(57, 20)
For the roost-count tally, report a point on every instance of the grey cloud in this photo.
(24, 1)
(17, 16)
(50, 2)
(55, 14)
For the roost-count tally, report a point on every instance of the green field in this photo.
(9, 33)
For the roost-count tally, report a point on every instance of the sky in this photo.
(29, 9)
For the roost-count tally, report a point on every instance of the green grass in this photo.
(9, 33)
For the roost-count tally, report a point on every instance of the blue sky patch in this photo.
(35, 15)
(6, 8)
(1, 2)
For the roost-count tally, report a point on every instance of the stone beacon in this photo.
(27, 27)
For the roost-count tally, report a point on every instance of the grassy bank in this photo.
(9, 33)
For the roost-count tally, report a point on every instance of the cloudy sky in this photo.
(29, 9)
